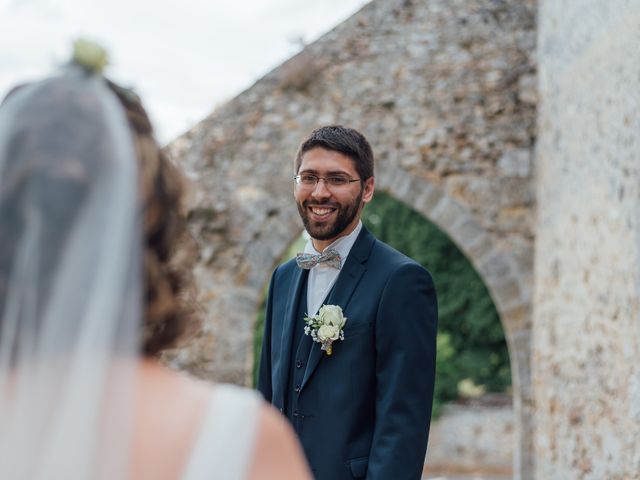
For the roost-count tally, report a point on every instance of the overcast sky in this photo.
(183, 57)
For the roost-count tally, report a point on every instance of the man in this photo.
(358, 392)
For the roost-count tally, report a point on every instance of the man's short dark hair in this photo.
(347, 141)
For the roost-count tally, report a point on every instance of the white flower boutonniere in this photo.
(326, 326)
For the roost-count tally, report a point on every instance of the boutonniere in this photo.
(326, 326)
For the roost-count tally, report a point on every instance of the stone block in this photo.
(476, 438)
(447, 213)
(515, 163)
(494, 267)
(426, 199)
(467, 233)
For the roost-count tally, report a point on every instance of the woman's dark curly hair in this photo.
(168, 311)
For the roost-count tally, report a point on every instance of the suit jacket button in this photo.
(297, 389)
(298, 364)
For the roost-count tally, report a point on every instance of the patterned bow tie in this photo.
(331, 258)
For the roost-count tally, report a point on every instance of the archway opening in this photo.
(473, 358)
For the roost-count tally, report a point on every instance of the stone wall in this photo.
(445, 90)
(475, 439)
(587, 270)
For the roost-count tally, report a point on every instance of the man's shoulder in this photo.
(286, 269)
(382, 252)
(391, 263)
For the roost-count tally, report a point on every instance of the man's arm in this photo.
(406, 328)
(264, 371)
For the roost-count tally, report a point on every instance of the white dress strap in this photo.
(225, 445)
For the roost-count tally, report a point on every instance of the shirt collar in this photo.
(342, 245)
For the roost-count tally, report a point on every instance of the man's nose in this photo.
(320, 189)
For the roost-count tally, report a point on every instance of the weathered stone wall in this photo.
(445, 90)
(587, 270)
(475, 439)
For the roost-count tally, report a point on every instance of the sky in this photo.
(182, 57)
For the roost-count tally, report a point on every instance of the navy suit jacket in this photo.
(365, 410)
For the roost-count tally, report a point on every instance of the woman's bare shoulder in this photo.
(278, 454)
(167, 421)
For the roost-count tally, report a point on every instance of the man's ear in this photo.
(369, 187)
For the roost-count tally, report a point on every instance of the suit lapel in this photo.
(286, 342)
(342, 291)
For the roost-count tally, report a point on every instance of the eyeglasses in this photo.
(309, 180)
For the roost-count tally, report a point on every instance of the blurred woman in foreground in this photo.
(89, 220)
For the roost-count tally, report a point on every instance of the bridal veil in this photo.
(70, 280)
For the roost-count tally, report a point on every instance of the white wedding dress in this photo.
(226, 441)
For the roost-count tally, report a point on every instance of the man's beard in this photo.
(328, 230)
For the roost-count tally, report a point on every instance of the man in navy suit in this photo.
(357, 392)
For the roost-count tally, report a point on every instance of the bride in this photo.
(89, 218)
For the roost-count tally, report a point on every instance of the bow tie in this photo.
(331, 258)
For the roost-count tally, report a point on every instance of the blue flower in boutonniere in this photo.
(326, 326)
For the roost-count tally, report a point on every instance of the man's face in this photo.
(327, 211)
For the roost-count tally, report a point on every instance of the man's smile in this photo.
(322, 212)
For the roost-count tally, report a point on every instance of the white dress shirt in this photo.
(322, 277)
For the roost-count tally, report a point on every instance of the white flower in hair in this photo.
(89, 55)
